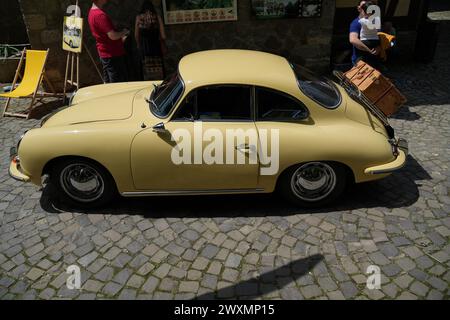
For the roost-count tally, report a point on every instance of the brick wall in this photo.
(305, 41)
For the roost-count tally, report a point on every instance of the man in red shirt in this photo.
(109, 43)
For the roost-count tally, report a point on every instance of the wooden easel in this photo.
(72, 59)
(72, 67)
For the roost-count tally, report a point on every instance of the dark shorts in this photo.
(372, 43)
(367, 57)
(114, 69)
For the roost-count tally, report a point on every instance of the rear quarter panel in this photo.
(339, 139)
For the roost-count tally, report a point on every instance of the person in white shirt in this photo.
(364, 36)
(368, 28)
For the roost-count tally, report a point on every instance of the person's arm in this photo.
(117, 35)
(356, 42)
(137, 33)
(104, 25)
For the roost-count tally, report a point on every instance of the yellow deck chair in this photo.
(35, 61)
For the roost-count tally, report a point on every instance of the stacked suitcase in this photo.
(377, 88)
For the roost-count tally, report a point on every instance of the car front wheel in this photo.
(83, 182)
(313, 184)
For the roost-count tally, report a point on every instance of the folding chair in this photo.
(35, 61)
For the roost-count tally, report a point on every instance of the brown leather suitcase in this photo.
(377, 88)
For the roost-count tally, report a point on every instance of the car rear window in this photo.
(319, 89)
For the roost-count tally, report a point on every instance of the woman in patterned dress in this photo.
(150, 38)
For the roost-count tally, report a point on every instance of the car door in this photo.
(208, 145)
(284, 121)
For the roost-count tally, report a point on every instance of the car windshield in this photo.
(165, 96)
(320, 89)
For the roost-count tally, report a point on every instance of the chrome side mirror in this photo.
(160, 128)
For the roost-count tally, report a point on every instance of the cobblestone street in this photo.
(248, 246)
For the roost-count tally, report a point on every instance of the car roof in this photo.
(231, 66)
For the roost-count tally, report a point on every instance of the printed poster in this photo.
(269, 9)
(73, 34)
(194, 11)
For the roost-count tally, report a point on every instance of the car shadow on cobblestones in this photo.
(39, 111)
(398, 190)
(266, 283)
(405, 113)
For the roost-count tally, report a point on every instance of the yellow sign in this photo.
(73, 34)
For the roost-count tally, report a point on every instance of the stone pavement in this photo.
(253, 246)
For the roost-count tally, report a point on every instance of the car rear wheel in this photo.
(313, 184)
(83, 182)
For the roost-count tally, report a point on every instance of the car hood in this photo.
(98, 103)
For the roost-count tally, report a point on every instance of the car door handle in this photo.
(245, 148)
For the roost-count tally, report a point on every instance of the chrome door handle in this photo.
(245, 148)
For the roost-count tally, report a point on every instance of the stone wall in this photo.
(305, 41)
(11, 23)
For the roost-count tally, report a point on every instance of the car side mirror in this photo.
(160, 128)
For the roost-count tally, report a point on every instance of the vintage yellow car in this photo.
(228, 121)
(72, 37)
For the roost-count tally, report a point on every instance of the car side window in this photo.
(225, 102)
(277, 106)
(187, 109)
(216, 103)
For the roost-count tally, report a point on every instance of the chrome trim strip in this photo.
(188, 192)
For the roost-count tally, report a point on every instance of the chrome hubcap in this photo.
(82, 182)
(313, 181)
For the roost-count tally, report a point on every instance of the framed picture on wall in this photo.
(194, 11)
(310, 8)
(267, 9)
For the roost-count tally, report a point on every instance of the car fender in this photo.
(106, 143)
(352, 144)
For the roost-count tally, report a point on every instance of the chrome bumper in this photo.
(14, 167)
(402, 150)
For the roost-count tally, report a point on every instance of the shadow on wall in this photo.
(396, 191)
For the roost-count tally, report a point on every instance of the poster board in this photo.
(273, 9)
(195, 11)
(72, 34)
